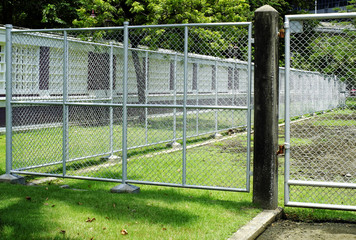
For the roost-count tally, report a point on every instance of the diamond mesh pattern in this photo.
(323, 104)
(37, 138)
(323, 195)
(80, 83)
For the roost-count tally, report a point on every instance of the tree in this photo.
(39, 13)
(115, 12)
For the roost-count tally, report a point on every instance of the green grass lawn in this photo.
(47, 211)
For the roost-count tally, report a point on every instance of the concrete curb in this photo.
(257, 225)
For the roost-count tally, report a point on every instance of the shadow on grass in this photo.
(41, 212)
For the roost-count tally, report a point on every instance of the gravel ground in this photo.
(290, 230)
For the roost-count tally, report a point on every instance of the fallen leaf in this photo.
(107, 217)
(104, 228)
(63, 231)
(92, 238)
(90, 219)
(28, 198)
(124, 232)
(164, 229)
(53, 205)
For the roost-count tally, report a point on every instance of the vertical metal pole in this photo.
(216, 96)
(249, 108)
(286, 111)
(197, 102)
(124, 104)
(146, 96)
(65, 107)
(8, 61)
(175, 100)
(184, 165)
(111, 99)
(316, 6)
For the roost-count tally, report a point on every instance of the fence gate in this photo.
(132, 104)
(320, 113)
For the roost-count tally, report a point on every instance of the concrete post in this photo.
(265, 166)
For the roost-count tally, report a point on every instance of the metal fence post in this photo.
(265, 166)
(111, 99)
(249, 106)
(216, 97)
(8, 177)
(146, 97)
(124, 107)
(65, 106)
(8, 55)
(197, 103)
(175, 100)
(184, 164)
(286, 111)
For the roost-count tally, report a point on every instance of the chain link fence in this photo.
(321, 164)
(161, 105)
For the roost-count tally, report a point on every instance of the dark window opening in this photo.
(195, 77)
(236, 78)
(230, 74)
(99, 71)
(171, 75)
(44, 68)
(213, 77)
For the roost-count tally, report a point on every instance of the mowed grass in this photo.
(49, 212)
(89, 211)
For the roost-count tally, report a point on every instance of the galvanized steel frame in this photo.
(65, 104)
(287, 181)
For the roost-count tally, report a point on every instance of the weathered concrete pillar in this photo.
(265, 167)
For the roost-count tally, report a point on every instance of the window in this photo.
(236, 78)
(44, 68)
(213, 77)
(233, 78)
(230, 74)
(195, 77)
(99, 71)
(171, 75)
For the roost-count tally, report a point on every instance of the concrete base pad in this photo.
(216, 136)
(257, 225)
(125, 188)
(174, 145)
(11, 178)
(111, 158)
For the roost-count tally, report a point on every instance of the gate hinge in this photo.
(281, 148)
(281, 33)
(286, 25)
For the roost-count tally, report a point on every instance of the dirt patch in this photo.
(287, 229)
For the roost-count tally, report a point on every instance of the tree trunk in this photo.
(141, 85)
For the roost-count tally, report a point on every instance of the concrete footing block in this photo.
(111, 158)
(216, 136)
(174, 145)
(12, 178)
(125, 188)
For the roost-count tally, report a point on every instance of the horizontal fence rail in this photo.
(320, 169)
(103, 103)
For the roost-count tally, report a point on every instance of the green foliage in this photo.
(39, 13)
(160, 12)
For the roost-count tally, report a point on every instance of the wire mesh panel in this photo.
(162, 105)
(320, 109)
